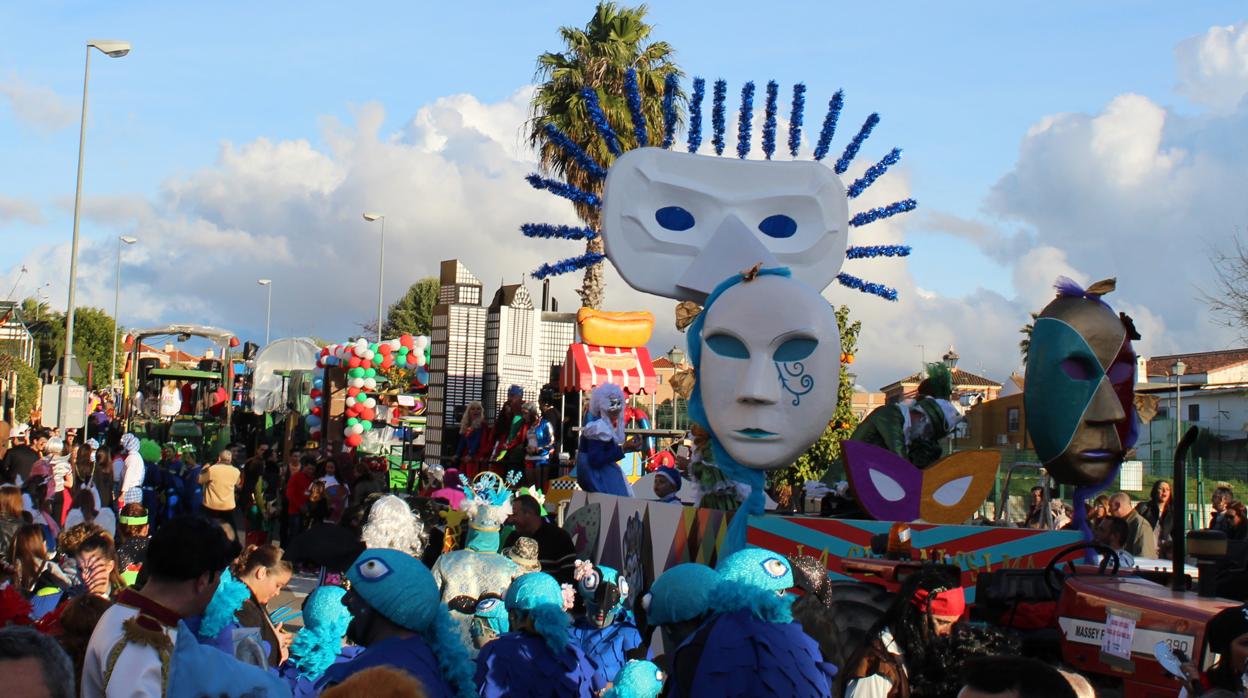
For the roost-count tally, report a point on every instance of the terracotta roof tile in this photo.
(1201, 362)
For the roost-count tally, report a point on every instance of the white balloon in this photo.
(420, 359)
(421, 342)
(358, 429)
(369, 354)
(371, 403)
(357, 383)
(370, 383)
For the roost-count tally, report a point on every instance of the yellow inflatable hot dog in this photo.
(607, 329)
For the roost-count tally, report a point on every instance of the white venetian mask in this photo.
(769, 369)
(676, 225)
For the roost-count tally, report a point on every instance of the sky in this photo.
(240, 141)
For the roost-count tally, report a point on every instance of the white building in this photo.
(457, 356)
(1211, 393)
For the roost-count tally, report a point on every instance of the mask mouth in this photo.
(756, 434)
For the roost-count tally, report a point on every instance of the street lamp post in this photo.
(677, 357)
(112, 49)
(1179, 368)
(112, 372)
(268, 307)
(381, 265)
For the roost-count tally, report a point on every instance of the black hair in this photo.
(1119, 528)
(18, 642)
(912, 628)
(528, 503)
(188, 547)
(1028, 678)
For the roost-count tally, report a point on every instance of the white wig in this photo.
(599, 426)
(391, 524)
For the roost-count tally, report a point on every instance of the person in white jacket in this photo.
(132, 472)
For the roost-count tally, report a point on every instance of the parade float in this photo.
(746, 246)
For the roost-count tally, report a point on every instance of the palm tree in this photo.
(598, 56)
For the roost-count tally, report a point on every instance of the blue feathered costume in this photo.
(751, 646)
(400, 588)
(606, 632)
(318, 645)
(542, 661)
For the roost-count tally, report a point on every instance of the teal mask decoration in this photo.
(1061, 361)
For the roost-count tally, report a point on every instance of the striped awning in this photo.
(588, 366)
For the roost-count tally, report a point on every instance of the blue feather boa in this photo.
(765, 604)
(228, 598)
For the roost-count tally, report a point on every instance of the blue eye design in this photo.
(778, 226)
(796, 349)
(373, 569)
(727, 346)
(487, 605)
(674, 218)
(774, 567)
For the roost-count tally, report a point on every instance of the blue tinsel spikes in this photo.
(670, 84)
(745, 119)
(873, 173)
(851, 281)
(565, 190)
(566, 266)
(795, 118)
(851, 150)
(582, 158)
(695, 114)
(829, 124)
(562, 232)
(769, 119)
(594, 109)
(869, 251)
(717, 115)
(888, 211)
(632, 94)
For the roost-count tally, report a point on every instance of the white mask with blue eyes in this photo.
(770, 369)
(676, 224)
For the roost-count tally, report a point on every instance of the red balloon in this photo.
(366, 363)
(353, 362)
(388, 361)
(324, 351)
(368, 414)
(352, 392)
(411, 358)
(354, 440)
(406, 340)
(316, 392)
(384, 348)
(316, 410)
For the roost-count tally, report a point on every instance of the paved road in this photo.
(300, 586)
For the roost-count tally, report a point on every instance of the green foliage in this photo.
(615, 39)
(413, 313)
(825, 452)
(93, 339)
(27, 384)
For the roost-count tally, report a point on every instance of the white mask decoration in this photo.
(770, 364)
(676, 225)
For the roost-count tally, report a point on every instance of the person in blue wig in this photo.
(318, 645)
(399, 620)
(638, 679)
(678, 602)
(603, 443)
(751, 646)
(606, 633)
(537, 658)
(489, 620)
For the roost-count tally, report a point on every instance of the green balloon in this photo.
(352, 421)
(370, 373)
(402, 351)
(368, 426)
(355, 372)
(373, 347)
(361, 398)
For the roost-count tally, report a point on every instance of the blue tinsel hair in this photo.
(457, 667)
(755, 503)
(317, 644)
(551, 622)
(730, 596)
(228, 598)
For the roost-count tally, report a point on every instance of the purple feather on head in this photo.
(1068, 288)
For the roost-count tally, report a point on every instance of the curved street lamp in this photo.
(381, 265)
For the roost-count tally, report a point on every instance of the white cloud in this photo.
(1213, 67)
(36, 105)
(19, 210)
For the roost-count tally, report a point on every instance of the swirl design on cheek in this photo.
(794, 372)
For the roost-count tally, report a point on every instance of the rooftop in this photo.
(1199, 362)
(961, 379)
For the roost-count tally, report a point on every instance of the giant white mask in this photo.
(769, 369)
(676, 225)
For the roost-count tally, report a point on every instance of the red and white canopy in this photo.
(588, 366)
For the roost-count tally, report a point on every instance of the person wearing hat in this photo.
(537, 658)
(1227, 635)
(913, 428)
(318, 645)
(750, 646)
(606, 632)
(132, 471)
(678, 602)
(20, 458)
(902, 644)
(524, 553)
(399, 620)
(489, 620)
(667, 484)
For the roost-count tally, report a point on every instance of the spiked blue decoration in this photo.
(633, 96)
(744, 120)
(695, 114)
(565, 266)
(717, 116)
(851, 281)
(829, 124)
(796, 114)
(600, 122)
(852, 149)
(582, 158)
(669, 109)
(873, 173)
(563, 232)
(869, 251)
(769, 120)
(888, 211)
(565, 190)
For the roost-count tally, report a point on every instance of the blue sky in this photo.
(959, 86)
